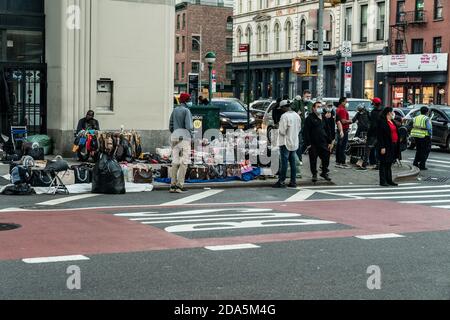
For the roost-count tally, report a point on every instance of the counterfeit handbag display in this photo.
(198, 173)
(142, 176)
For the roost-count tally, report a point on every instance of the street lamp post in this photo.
(210, 58)
(200, 42)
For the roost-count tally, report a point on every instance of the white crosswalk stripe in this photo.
(434, 163)
(437, 196)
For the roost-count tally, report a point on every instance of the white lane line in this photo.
(193, 198)
(379, 188)
(380, 236)
(343, 188)
(425, 201)
(233, 247)
(228, 218)
(433, 165)
(442, 207)
(434, 160)
(300, 196)
(68, 199)
(411, 197)
(394, 191)
(12, 210)
(55, 259)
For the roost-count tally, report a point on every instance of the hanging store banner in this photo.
(413, 62)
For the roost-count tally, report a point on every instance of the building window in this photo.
(196, 43)
(259, 45)
(229, 46)
(184, 21)
(240, 6)
(239, 39)
(348, 24)
(419, 10)
(229, 24)
(183, 44)
(398, 46)
(248, 35)
(277, 37)
(363, 37)
(195, 67)
(178, 22)
(401, 11)
(178, 44)
(302, 35)
(250, 5)
(369, 80)
(437, 45)
(260, 4)
(266, 39)
(177, 71)
(329, 33)
(438, 10)
(182, 70)
(288, 36)
(417, 46)
(381, 20)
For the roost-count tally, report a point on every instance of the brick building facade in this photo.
(201, 27)
(419, 45)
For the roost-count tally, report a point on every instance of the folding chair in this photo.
(56, 180)
(18, 134)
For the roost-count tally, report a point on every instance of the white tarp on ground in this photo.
(86, 188)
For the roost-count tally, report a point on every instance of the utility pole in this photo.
(320, 67)
(201, 64)
(248, 86)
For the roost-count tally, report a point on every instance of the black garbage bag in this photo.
(107, 177)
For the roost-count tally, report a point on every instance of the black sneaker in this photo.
(314, 178)
(173, 189)
(279, 185)
(292, 185)
(325, 176)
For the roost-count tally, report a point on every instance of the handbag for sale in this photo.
(142, 176)
(39, 178)
(67, 177)
(198, 173)
(217, 172)
(165, 172)
(83, 174)
(234, 170)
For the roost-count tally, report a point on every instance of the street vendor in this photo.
(88, 123)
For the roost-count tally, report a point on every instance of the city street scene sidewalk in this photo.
(222, 150)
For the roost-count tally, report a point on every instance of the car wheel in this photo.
(411, 143)
(447, 144)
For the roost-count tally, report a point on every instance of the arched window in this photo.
(259, 40)
(302, 34)
(330, 33)
(229, 24)
(249, 5)
(288, 36)
(277, 37)
(239, 38)
(248, 35)
(266, 39)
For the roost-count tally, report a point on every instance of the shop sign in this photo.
(408, 80)
(413, 62)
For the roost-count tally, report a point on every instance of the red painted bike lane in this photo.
(91, 232)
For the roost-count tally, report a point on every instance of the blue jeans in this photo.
(341, 146)
(287, 156)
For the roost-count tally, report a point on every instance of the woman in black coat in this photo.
(388, 146)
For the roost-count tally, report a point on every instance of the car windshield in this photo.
(447, 112)
(353, 105)
(230, 106)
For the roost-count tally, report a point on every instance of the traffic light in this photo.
(336, 2)
(302, 66)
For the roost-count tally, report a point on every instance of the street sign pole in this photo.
(320, 53)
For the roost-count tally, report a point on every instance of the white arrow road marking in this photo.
(68, 199)
(193, 198)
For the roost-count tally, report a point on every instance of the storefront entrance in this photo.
(416, 94)
(25, 90)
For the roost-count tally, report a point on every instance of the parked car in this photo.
(258, 110)
(233, 114)
(440, 120)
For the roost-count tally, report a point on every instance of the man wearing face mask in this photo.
(302, 105)
(372, 153)
(319, 140)
(343, 123)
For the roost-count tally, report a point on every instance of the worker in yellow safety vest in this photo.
(422, 132)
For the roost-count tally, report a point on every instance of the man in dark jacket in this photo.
(277, 112)
(318, 139)
(374, 118)
(362, 119)
(88, 123)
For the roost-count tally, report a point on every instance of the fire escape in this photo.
(404, 21)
